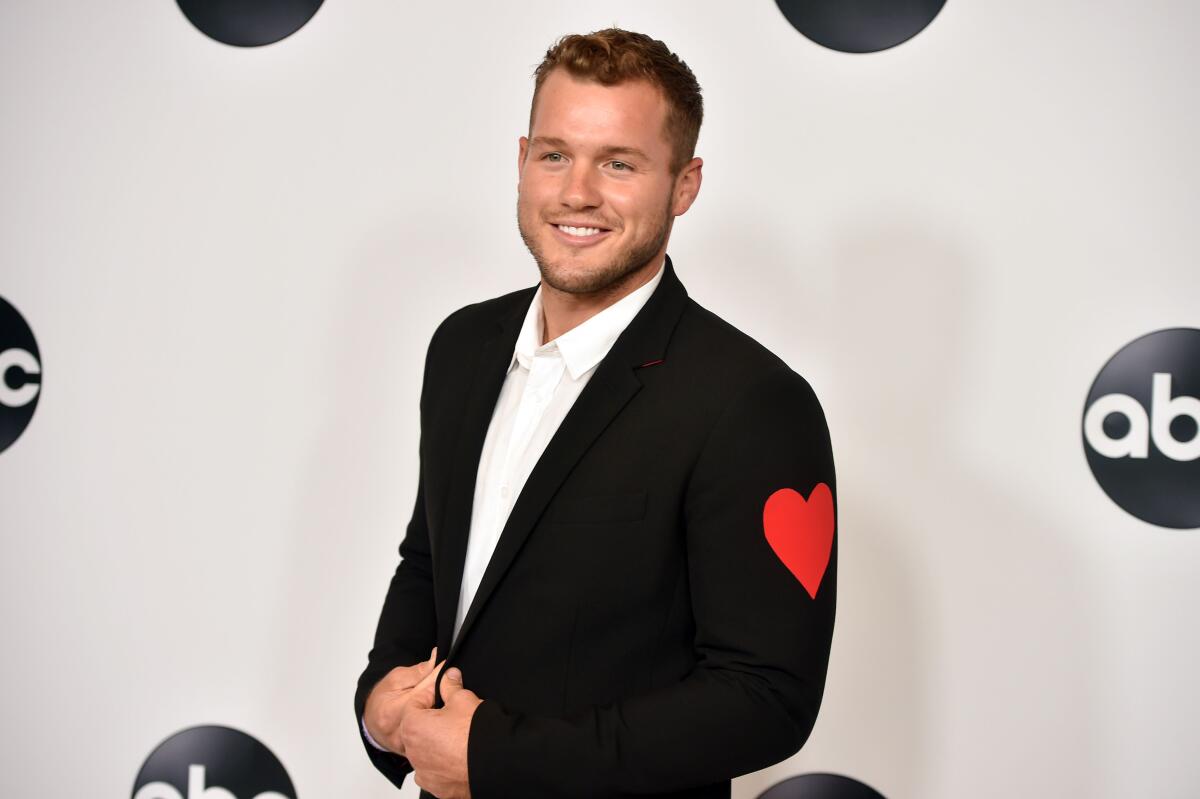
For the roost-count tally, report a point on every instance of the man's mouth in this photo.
(581, 234)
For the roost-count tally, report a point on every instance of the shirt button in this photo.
(504, 491)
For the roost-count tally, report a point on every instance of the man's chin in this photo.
(600, 270)
(582, 280)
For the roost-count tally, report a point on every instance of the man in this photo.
(623, 539)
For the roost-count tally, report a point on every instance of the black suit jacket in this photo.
(643, 627)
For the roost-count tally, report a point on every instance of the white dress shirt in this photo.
(542, 384)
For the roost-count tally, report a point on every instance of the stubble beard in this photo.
(609, 276)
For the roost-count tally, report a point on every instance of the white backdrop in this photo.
(233, 259)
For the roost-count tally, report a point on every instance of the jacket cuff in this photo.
(486, 760)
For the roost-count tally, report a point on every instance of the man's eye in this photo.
(553, 157)
(621, 166)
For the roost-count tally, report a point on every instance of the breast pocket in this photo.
(600, 509)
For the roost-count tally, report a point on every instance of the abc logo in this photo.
(820, 786)
(20, 374)
(1141, 428)
(212, 763)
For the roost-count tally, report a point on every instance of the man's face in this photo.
(596, 198)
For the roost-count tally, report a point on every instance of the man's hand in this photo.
(435, 741)
(391, 698)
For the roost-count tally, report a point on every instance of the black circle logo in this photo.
(1141, 428)
(212, 763)
(249, 23)
(20, 374)
(860, 26)
(820, 786)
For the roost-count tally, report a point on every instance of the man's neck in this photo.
(563, 311)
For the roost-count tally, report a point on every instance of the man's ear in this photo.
(687, 186)
(522, 151)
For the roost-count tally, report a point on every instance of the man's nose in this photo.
(579, 189)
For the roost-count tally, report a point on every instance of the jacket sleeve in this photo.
(761, 546)
(407, 628)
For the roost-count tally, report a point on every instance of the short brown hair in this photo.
(613, 56)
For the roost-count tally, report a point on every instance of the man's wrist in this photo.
(370, 740)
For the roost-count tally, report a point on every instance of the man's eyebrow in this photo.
(635, 152)
(552, 141)
(548, 141)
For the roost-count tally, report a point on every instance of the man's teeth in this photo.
(579, 231)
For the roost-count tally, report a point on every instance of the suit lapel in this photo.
(608, 391)
(489, 372)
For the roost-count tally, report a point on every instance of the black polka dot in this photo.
(820, 786)
(249, 23)
(860, 26)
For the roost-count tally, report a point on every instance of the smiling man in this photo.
(619, 577)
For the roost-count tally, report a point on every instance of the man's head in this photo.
(612, 132)
(613, 56)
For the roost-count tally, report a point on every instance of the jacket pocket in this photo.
(600, 509)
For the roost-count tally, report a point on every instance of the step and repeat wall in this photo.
(229, 230)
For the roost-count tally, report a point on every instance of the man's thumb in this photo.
(451, 682)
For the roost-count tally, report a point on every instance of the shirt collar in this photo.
(586, 344)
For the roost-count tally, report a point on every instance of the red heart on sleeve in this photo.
(801, 533)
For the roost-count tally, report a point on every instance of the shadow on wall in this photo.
(874, 722)
(967, 628)
(354, 502)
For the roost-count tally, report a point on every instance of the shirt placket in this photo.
(545, 370)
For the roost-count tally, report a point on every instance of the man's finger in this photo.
(429, 665)
(451, 683)
(431, 677)
(423, 692)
